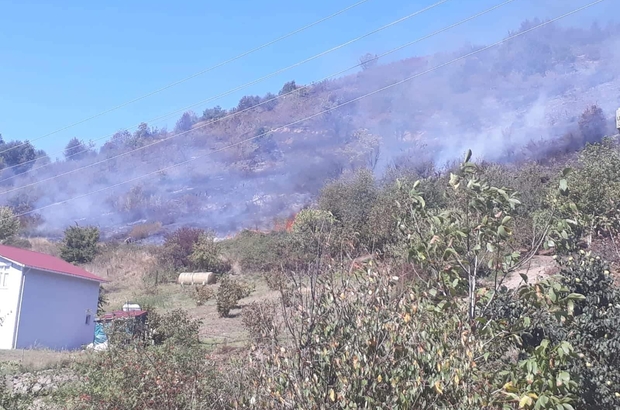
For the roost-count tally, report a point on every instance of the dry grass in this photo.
(44, 245)
(229, 331)
(145, 230)
(30, 360)
(124, 267)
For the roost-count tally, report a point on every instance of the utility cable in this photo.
(223, 63)
(255, 106)
(393, 23)
(397, 83)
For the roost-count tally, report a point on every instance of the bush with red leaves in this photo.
(179, 245)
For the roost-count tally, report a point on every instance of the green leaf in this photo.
(501, 231)
(576, 296)
(552, 295)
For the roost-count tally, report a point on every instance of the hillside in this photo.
(511, 103)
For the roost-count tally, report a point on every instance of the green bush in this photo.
(365, 342)
(229, 293)
(258, 252)
(595, 188)
(206, 255)
(144, 377)
(350, 201)
(80, 244)
(174, 328)
(9, 224)
(260, 319)
(202, 294)
(595, 332)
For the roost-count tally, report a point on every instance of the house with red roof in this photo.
(45, 302)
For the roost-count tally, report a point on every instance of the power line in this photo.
(324, 111)
(393, 23)
(223, 63)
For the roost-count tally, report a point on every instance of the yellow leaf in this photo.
(332, 395)
(525, 401)
(438, 387)
(379, 378)
(510, 388)
(407, 318)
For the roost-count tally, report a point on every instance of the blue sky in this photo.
(61, 62)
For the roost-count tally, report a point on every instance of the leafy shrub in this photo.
(229, 293)
(174, 328)
(260, 319)
(9, 224)
(206, 255)
(179, 246)
(144, 377)
(595, 188)
(595, 332)
(259, 252)
(350, 201)
(276, 280)
(80, 244)
(202, 294)
(374, 346)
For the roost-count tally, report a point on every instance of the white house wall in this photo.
(54, 309)
(9, 298)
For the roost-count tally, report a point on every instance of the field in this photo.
(128, 270)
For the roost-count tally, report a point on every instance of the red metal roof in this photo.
(45, 262)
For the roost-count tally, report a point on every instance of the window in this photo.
(88, 316)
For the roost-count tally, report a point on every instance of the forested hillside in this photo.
(534, 97)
